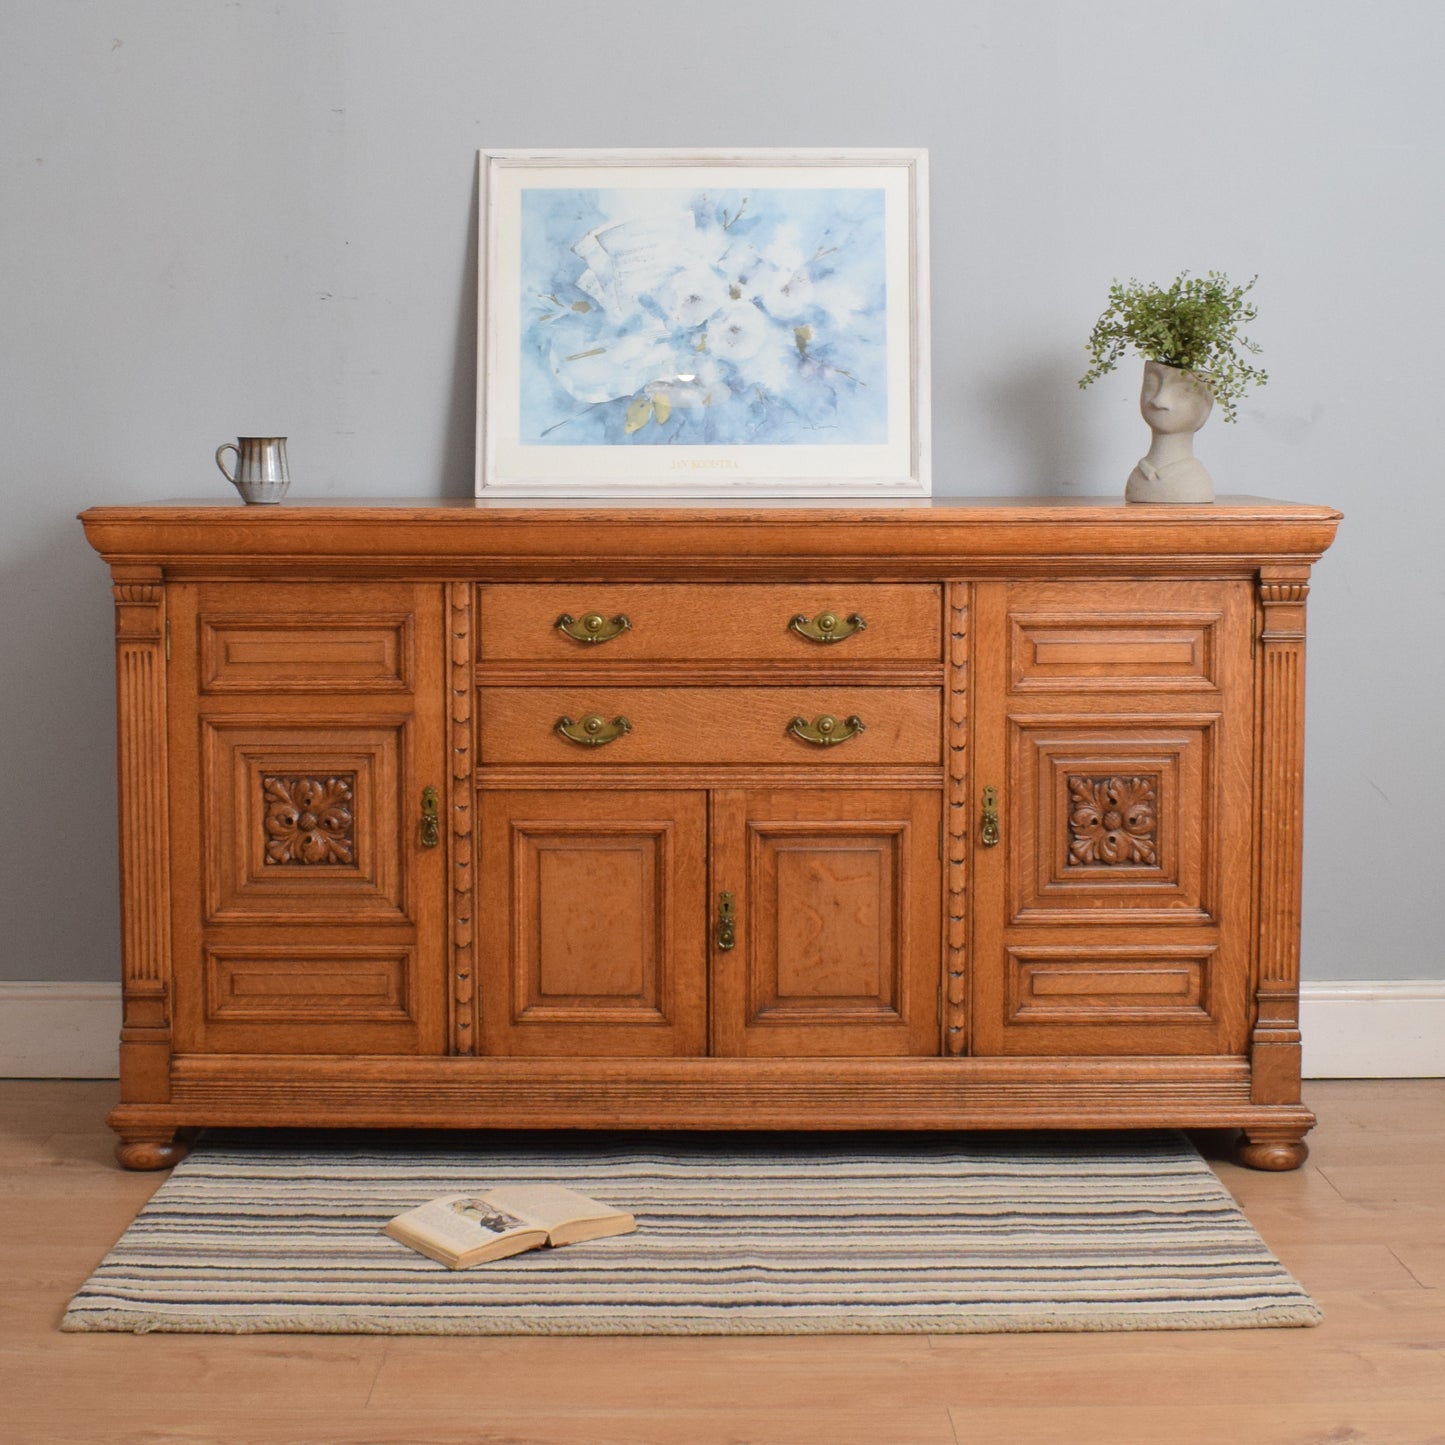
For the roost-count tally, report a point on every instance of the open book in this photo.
(460, 1230)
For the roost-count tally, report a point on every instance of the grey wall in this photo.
(246, 218)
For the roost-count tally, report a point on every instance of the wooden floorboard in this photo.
(1362, 1225)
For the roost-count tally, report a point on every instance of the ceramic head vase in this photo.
(1176, 404)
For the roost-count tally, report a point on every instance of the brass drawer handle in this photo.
(593, 627)
(826, 732)
(827, 626)
(431, 829)
(726, 930)
(988, 829)
(593, 731)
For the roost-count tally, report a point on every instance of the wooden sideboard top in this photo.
(743, 536)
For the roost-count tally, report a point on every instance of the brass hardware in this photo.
(988, 832)
(726, 932)
(827, 626)
(826, 731)
(593, 731)
(593, 627)
(431, 830)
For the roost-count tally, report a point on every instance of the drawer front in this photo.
(620, 725)
(687, 622)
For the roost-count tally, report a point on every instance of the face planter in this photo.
(1176, 404)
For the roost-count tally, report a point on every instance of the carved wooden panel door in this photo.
(308, 845)
(833, 946)
(592, 916)
(1112, 743)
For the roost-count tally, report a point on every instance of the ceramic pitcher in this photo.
(261, 475)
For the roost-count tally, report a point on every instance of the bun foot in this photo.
(1264, 1150)
(153, 1153)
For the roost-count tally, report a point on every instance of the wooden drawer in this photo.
(687, 622)
(711, 724)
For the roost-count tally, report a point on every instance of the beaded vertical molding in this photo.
(1276, 1054)
(955, 840)
(460, 684)
(140, 672)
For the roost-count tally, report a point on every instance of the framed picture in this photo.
(703, 323)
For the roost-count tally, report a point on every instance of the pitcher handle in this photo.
(228, 447)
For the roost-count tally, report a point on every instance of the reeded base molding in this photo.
(911, 1093)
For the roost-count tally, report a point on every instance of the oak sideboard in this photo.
(937, 814)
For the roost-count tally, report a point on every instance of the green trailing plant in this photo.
(1193, 324)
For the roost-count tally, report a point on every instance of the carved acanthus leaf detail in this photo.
(1112, 821)
(309, 820)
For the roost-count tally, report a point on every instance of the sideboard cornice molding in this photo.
(449, 539)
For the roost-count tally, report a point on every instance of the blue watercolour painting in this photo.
(729, 317)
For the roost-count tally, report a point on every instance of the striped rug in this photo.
(796, 1234)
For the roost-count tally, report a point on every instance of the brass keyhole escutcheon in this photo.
(988, 828)
(593, 627)
(431, 831)
(726, 923)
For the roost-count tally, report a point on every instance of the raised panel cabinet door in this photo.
(1112, 796)
(826, 922)
(307, 733)
(592, 912)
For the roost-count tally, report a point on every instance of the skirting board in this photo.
(1359, 1030)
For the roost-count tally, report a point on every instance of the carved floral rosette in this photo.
(1112, 821)
(309, 820)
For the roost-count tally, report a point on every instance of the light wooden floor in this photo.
(1362, 1226)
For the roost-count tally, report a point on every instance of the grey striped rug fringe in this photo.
(737, 1235)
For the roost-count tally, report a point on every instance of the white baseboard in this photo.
(1371, 1029)
(1360, 1030)
(59, 1030)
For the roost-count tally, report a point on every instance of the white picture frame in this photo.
(703, 323)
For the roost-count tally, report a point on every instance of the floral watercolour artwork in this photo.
(726, 317)
(702, 324)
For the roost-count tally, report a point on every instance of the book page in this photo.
(551, 1206)
(463, 1222)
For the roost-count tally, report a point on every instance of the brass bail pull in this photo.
(592, 731)
(726, 929)
(827, 626)
(988, 828)
(431, 832)
(593, 627)
(826, 731)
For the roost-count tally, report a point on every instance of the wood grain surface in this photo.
(367, 879)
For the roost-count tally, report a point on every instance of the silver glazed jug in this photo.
(261, 475)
